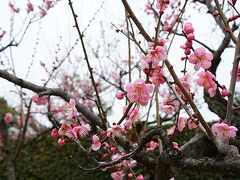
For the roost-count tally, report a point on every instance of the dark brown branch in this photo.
(54, 92)
(90, 69)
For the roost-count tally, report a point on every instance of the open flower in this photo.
(82, 130)
(156, 55)
(138, 92)
(116, 130)
(201, 58)
(71, 109)
(206, 79)
(117, 175)
(96, 143)
(224, 131)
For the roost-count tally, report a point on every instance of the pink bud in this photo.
(113, 149)
(187, 52)
(190, 37)
(105, 155)
(130, 175)
(161, 11)
(61, 141)
(8, 118)
(188, 43)
(188, 28)
(175, 145)
(119, 95)
(54, 133)
(140, 177)
(225, 92)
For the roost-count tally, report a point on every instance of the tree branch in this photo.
(54, 92)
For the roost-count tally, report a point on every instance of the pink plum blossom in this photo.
(140, 177)
(167, 107)
(43, 12)
(117, 175)
(116, 130)
(40, 100)
(119, 95)
(148, 9)
(130, 175)
(64, 128)
(224, 131)
(82, 130)
(30, 7)
(156, 77)
(225, 92)
(152, 145)
(156, 55)
(48, 4)
(181, 124)
(191, 124)
(138, 92)
(201, 58)
(79, 131)
(13, 8)
(175, 145)
(132, 118)
(188, 29)
(8, 118)
(171, 130)
(54, 133)
(96, 143)
(206, 79)
(61, 141)
(72, 134)
(162, 4)
(71, 109)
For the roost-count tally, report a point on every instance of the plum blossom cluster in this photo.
(43, 8)
(162, 5)
(223, 130)
(73, 131)
(170, 18)
(152, 145)
(188, 32)
(168, 106)
(118, 174)
(13, 7)
(154, 56)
